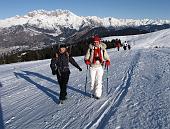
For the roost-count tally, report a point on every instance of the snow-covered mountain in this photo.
(43, 28)
(139, 91)
(53, 19)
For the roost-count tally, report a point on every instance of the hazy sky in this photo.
(135, 9)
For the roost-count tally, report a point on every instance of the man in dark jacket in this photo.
(60, 66)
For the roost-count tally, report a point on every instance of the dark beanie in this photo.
(63, 46)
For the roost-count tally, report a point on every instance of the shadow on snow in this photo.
(1, 113)
(26, 75)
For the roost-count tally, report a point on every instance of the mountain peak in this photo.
(56, 19)
(50, 13)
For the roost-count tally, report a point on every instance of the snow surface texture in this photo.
(138, 98)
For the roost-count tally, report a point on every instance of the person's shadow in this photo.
(49, 92)
(52, 94)
(1, 113)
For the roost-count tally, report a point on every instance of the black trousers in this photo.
(63, 78)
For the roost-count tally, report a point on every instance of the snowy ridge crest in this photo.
(66, 18)
(49, 13)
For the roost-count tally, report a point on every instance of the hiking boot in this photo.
(97, 97)
(61, 102)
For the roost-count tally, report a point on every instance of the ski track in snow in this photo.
(110, 106)
(146, 106)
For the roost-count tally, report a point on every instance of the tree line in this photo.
(76, 49)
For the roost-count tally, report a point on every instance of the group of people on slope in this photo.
(118, 44)
(126, 46)
(96, 57)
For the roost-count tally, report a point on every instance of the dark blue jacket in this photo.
(60, 64)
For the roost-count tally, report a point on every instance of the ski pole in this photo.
(107, 80)
(86, 79)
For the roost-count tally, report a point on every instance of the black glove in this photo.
(80, 69)
(53, 72)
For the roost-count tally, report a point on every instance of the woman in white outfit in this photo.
(96, 56)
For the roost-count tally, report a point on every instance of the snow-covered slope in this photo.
(139, 92)
(54, 19)
(151, 40)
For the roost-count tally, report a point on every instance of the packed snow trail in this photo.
(29, 95)
(34, 94)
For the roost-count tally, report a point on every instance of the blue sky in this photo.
(135, 9)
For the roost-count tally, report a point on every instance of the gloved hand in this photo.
(53, 72)
(107, 63)
(80, 69)
(87, 62)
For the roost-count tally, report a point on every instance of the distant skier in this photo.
(96, 56)
(125, 45)
(118, 44)
(60, 67)
(129, 47)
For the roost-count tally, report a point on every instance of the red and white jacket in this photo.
(97, 55)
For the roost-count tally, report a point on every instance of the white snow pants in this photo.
(96, 74)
